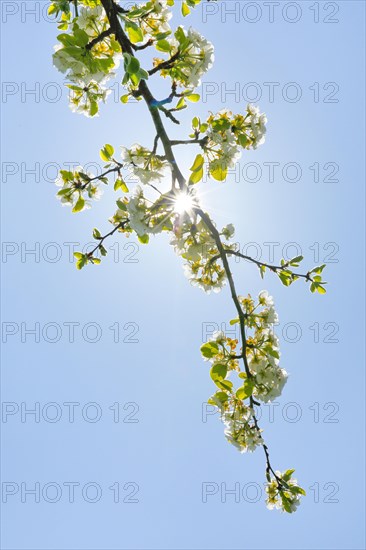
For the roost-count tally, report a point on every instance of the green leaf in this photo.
(287, 475)
(163, 46)
(285, 278)
(142, 74)
(80, 203)
(96, 234)
(221, 124)
(135, 34)
(84, 177)
(193, 97)
(62, 192)
(209, 350)
(218, 173)
(198, 163)
(81, 37)
(181, 104)
(93, 108)
(82, 259)
(317, 287)
(114, 45)
(162, 35)
(135, 78)
(67, 175)
(52, 9)
(66, 39)
(144, 239)
(285, 502)
(121, 205)
(295, 261)
(196, 177)
(234, 321)
(107, 152)
(195, 122)
(226, 385)
(318, 269)
(218, 372)
(134, 66)
(243, 140)
(120, 184)
(125, 98)
(246, 390)
(219, 396)
(272, 352)
(185, 9)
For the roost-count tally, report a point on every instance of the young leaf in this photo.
(107, 152)
(198, 163)
(80, 203)
(185, 9)
(209, 350)
(193, 97)
(218, 372)
(218, 173)
(144, 239)
(196, 177)
(120, 184)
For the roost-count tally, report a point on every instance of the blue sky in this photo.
(154, 370)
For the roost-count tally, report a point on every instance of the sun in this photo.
(183, 203)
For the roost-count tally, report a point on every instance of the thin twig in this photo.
(99, 38)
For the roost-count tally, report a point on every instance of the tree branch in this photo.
(112, 10)
(201, 142)
(165, 64)
(274, 268)
(99, 38)
(122, 224)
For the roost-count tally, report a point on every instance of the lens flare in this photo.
(183, 203)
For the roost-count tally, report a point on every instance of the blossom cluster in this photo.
(146, 166)
(78, 188)
(262, 378)
(283, 492)
(87, 69)
(144, 217)
(225, 135)
(195, 244)
(89, 54)
(240, 430)
(193, 56)
(148, 21)
(238, 418)
(262, 353)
